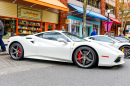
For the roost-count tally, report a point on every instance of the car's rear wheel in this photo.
(85, 57)
(16, 51)
(126, 51)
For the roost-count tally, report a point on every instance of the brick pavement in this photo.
(8, 65)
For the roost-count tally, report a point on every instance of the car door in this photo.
(104, 40)
(49, 46)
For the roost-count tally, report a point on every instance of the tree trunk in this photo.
(84, 23)
(84, 17)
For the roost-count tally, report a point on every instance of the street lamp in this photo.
(108, 11)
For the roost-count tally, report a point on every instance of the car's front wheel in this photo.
(126, 51)
(16, 51)
(85, 57)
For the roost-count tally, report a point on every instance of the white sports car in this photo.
(111, 41)
(65, 47)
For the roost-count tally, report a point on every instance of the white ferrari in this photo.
(65, 47)
(111, 41)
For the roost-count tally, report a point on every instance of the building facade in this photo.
(22, 17)
(75, 19)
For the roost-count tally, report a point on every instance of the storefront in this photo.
(22, 20)
(75, 26)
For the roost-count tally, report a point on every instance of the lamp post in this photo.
(108, 11)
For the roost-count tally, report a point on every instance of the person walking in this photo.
(94, 32)
(106, 33)
(63, 29)
(1, 35)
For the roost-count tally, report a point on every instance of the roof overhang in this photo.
(50, 3)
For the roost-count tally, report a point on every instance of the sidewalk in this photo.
(4, 53)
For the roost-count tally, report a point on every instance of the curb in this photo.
(4, 53)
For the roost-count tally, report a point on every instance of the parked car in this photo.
(64, 47)
(122, 39)
(102, 39)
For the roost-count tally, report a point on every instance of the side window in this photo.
(40, 35)
(54, 36)
(92, 38)
(103, 39)
(97, 38)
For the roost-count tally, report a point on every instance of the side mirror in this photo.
(62, 40)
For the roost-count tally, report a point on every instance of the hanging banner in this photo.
(109, 25)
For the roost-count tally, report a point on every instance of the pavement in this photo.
(33, 72)
(4, 53)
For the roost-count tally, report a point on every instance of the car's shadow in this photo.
(72, 64)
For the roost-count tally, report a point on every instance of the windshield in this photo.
(122, 39)
(74, 38)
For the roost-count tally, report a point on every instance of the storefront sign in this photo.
(109, 25)
(68, 21)
(30, 13)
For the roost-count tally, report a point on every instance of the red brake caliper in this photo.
(126, 52)
(19, 51)
(79, 56)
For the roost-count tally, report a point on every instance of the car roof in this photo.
(97, 35)
(51, 31)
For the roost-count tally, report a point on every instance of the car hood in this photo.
(99, 46)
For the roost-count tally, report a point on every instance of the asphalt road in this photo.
(31, 72)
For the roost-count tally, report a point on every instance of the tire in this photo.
(16, 51)
(126, 51)
(85, 57)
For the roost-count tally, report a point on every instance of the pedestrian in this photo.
(122, 34)
(106, 33)
(1, 35)
(94, 32)
(63, 29)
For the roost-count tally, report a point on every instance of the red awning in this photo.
(115, 20)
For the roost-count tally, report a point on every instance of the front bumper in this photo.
(115, 62)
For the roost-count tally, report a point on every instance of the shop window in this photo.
(75, 27)
(9, 26)
(50, 27)
(94, 3)
(26, 27)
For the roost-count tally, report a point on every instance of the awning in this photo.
(89, 13)
(115, 20)
(50, 3)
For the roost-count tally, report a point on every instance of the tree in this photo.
(85, 3)
(124, 11)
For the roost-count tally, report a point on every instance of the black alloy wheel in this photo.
(126, 50)
(16, 51)
(85, 57)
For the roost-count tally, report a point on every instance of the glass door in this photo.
(50, 27)
(88, 31)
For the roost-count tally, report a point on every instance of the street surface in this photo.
(32, 72)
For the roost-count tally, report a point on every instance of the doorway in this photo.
(9, 26)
